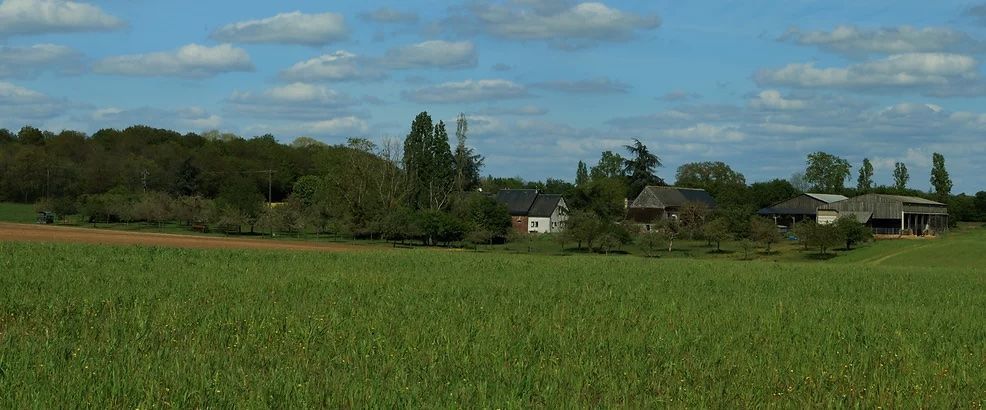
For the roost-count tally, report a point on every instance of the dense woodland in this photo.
(422, 188)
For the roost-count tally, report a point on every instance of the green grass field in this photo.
(136, 327)
(20, 213)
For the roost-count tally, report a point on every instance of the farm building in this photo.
(661, 202)
(534, 212)
(890, 214)
(800, 208)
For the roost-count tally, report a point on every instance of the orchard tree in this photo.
(939, 178)
(852, 231)
(901, 176)
(764, 231)
(716, 231)
(826, 172)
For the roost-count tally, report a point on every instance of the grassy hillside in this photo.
(141, 327)
(960, 248)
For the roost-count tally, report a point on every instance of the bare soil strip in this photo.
(46, 233)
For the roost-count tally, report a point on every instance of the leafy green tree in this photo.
(641, 168)
(187, 183)
(764, 194)
(584, 228)
(827, 172)
(822, 236)
(581, 174)
(764, 231)
(467, 161)
(727, 186)
(483, 213)
(865, 181)
(852, 231)
(604, 197)
(939, 178)
(901, 176)
(717, 231)
(692, 217)
(610, 165)
(417, 159)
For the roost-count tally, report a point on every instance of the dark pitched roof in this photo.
(667, 196)
(518, 201)
(544, 205)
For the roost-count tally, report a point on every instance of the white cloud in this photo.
(294, 101)
(467, 91)
(192, 60)
(338, 66)
(53, 16)
(435, 53)
(28, 62)
(19, 105)
(600, 85)
(855, 41)
(287, 28)
(183, 119)
(522, 110)
(339, 127)
(563, 26)
(773, 100)
(912, 70)
(708, 133)
(389, 15)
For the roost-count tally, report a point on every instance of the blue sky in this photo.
(545, 83)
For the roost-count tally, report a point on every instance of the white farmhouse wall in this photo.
(539, 225)
(559, 217)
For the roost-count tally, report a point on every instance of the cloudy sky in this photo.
(545, 83)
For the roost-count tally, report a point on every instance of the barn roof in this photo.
(885, 206)
(666, 196)
(518, 201)
(544, 205)
(804, 204)
(827, 198)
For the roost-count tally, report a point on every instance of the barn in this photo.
(662, 202)
(890, 214)
(800, 208)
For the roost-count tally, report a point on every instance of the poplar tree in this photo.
(901, 176)
(416, 158)
(865, 182)
(939, 178)
(467, 162)
(581, 174)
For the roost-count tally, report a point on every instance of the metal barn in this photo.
(800, 208)
(890, 214)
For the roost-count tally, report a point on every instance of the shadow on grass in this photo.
(820, 256)
(721, 252)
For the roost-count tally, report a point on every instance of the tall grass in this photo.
(141, 327)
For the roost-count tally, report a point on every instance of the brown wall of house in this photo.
(520, 223)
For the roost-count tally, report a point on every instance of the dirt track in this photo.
(45, 233)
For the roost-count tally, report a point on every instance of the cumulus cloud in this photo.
(467, 91)
(287, 28)
(560, 24)
(434, 54)
(389, 15)
(192, 60)
(601, 85)
(339, 127)
(346, 66)
(772, 100)
(293, 101)
(184, 119)
(927, 71)
(338, 66)
(19, 17)
(855, 41)
(19, 105)
(28, 62)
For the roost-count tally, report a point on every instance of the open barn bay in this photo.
(142, 327)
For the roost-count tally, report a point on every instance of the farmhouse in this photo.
(890, 214)
(662, 202)
(800, 208)
(534, 212)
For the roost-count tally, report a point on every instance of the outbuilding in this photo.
(800, 208)
(665, 202)
(890, 214)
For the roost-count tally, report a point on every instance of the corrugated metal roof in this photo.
(914, 200)
(827, 198)
(861, 216)
(888, 206)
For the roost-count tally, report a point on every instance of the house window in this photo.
(534, 224)
(647, 227)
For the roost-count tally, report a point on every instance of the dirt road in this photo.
(47, 233)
